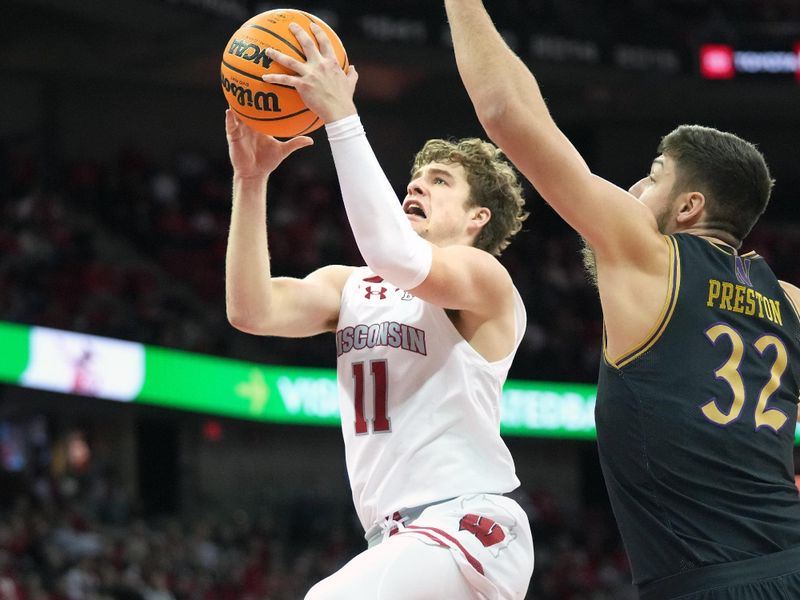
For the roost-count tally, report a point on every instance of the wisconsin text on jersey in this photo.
(744, 300)
(388, 333)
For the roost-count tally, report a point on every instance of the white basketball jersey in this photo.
(420, 407)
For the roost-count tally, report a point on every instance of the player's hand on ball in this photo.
(320, 81)
(255, 154)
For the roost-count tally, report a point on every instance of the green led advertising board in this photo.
(64, 361)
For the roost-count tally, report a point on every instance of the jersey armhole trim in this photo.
(794, 306)
(673, 288)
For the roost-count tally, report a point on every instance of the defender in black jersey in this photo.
(696, 427)
(698, 390)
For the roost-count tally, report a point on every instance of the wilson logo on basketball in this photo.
(279, 111)
(486, 530)
(250, 52)
(263, 101)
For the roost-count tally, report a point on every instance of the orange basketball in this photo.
(273, 109)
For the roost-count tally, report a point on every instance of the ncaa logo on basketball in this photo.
(263, 101)
(271, 109)
(250, 52)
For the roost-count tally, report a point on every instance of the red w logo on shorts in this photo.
(485, 529)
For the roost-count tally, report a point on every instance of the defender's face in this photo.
(655, 192)
(436, 202)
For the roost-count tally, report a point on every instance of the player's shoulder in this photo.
(792, 292)
(335, 275)
(475, 257)
(488, 269)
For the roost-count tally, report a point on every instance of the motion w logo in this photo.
(742, 268)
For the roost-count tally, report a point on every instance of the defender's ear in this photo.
(691, 207)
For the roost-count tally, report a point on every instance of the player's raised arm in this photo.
(511, 108)
(255, 301)
(450, 272)
(453, 276)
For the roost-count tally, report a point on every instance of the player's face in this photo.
(656, 192)
(436, 202)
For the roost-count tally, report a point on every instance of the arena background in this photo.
(114, 206)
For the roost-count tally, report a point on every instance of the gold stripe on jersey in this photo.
(724, 248)
(730, 251)
(673, 287)
(794, 306)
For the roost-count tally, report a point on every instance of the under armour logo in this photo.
(381, 293)
(742, 268)
(485, 529)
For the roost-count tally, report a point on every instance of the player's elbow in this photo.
(492, 113)
(503, 121)
(245, 321)
(390, 268)
(406, 274)
(238, 321)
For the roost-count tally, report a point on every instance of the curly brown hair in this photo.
(493, 184)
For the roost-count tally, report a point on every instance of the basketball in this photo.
(276, 110)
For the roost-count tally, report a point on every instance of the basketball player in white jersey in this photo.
(425, 335)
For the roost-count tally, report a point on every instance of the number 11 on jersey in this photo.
(380, 421)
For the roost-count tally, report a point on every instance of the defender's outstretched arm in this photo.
(510, 106)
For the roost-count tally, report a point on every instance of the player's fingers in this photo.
(325, 45)
(352, 74)
(287, 61)
(280, 79)
(306, 43)
(231, 122)
(298, 142)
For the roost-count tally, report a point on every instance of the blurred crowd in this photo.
(670, 23)
(675, 23)
(68, 540)
(136, 250)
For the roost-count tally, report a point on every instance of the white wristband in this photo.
(388, 243)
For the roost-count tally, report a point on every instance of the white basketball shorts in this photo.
(471, 547)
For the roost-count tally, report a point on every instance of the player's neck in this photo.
(716, 236)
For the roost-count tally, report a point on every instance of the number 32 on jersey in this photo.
(730, 373)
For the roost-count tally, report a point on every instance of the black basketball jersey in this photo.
(696, 426)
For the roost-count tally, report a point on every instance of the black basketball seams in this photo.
(294, 114)
(242, 72)
(314, 122)
(261, 106)
(256, 77)
(297, 50)
(317, 21)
